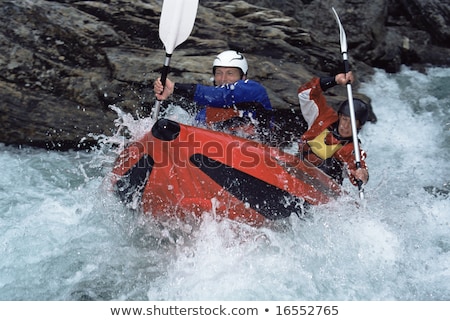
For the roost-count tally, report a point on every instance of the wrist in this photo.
(327, 82)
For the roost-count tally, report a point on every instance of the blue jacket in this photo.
(243, 94)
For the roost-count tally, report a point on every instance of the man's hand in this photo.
(162, 93)
(344, 79)
(362, 174)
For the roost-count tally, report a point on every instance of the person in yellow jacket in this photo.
(328, 141)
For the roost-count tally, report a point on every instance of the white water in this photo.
(63, 236)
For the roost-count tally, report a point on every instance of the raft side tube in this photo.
(131, 186)
(270, 201)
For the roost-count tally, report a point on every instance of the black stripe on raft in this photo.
(319, 185)
(130, 186)
(270, 201)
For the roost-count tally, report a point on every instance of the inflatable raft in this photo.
(177, 169)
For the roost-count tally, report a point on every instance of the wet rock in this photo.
(64, 63)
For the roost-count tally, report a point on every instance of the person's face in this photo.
(345, 126)
(227, 75)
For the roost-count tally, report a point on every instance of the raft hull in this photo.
(177, 169)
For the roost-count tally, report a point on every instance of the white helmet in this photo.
(231, 58)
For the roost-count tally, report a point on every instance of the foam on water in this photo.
(64, 236)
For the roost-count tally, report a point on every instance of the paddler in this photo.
(328, 141)
(232, 97)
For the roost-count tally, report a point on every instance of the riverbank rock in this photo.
(63, 64)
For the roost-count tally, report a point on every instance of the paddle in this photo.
(175, 26)
(343, 40)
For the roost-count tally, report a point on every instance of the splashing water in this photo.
(64, 236)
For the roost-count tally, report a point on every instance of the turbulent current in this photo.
(64, 236)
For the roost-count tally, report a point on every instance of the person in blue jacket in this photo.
(232, 95)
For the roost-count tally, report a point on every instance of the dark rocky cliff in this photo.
(63, 63)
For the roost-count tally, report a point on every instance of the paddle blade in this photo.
(341, 32)
(176, 23)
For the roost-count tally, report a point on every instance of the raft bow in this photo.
(176, 169)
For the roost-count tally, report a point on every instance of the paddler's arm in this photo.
(347, 156)
(327, 83)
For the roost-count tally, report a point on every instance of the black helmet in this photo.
(360, 107)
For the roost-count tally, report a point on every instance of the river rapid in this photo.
(64, 236)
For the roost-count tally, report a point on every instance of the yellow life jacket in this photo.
(320, 147)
